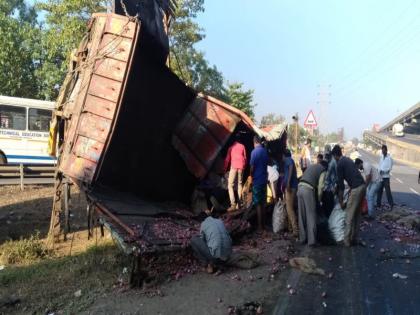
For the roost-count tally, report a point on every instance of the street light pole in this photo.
(296, 120)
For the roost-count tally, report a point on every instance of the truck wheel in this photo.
(3, 159)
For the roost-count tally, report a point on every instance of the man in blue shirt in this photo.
(259, 175)
(290, 182)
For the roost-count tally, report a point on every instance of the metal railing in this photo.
(26, 174)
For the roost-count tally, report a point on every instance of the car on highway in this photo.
(398, 130)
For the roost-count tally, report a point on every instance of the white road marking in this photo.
(417, 193)
(399, 180)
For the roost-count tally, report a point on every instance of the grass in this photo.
(24, 251)
(49, 284)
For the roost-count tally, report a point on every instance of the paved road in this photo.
(404, 182)
(362, 281)
(409, 138)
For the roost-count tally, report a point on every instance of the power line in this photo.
(373, 43)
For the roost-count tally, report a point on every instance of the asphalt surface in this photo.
(404, 182)
(362, 279)
(408, 138)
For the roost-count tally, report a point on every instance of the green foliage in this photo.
(185, 60)
(272, 119)
(302, 135)
(23, 251)
(66, 24)
(240, 98)
(34, 54)
(18, 37)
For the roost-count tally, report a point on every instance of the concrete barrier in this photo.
(400, 150)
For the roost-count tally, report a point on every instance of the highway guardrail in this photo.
(26, 174)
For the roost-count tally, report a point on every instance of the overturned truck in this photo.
(138, 141)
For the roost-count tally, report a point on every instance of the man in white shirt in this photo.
(305, 155)
(373, 181)
(385, 168)
(273, 177)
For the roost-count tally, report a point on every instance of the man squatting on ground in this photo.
(310, 190)
(348, 171)
(385, 168)
(214, 246)
(259, 175)
(373, 180)
(236, 157)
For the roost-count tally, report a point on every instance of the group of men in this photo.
(320, 188)
(264, 172)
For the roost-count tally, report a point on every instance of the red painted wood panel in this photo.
(100, 106)
(105, 88)
(87, 148)
(115, 47)
(121, 27)
(110, 68)
(202, 133)
(94, 127)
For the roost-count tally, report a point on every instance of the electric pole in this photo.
(324, 101)
(296, 120)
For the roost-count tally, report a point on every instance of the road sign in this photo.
(310, 121)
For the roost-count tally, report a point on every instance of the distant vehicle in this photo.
(398, 130)
(376, 127)
(355, 155)
(24, 127)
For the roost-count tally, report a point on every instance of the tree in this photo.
(34, 54)
(240, 98)
(185, 60)
(301, 136)
(272, 119)
(66, 24)
(18, 37)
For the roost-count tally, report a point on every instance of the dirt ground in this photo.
(84, 276)
(98, 269)
(211, 294)
(24, 212)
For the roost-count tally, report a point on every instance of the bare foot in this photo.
(210, 269)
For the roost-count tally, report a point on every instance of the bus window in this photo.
(12, 117)
(39, 119)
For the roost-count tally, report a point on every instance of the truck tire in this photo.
(3, 159)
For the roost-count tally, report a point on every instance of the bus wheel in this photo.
(3, 159)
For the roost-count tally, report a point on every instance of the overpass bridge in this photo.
(406, 148)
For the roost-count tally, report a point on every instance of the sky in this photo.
(354, 63)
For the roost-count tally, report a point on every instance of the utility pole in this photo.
(296, 120)
(324, 101)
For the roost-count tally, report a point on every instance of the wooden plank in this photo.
(94, 127)
(100, 106)
(105, 88)
(120, 26)
(115, 47)
(111, 68)
(89, 149)
(79, 168)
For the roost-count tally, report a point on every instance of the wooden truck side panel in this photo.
(102, 80)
